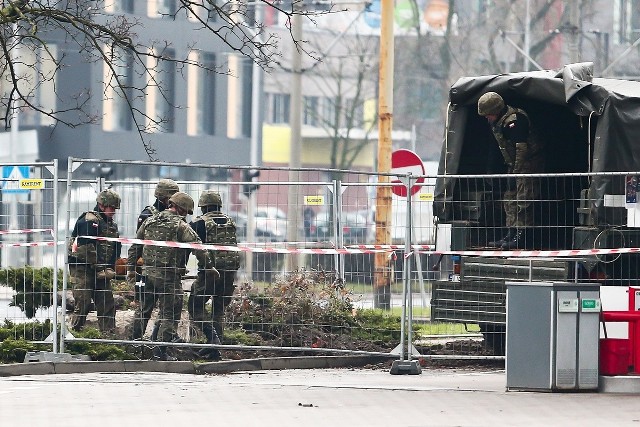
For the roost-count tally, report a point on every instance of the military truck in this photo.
(591, 132)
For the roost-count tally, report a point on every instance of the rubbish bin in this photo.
(552, 336)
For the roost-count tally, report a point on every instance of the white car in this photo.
(273, 220)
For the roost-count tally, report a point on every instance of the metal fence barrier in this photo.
(308, 268)
(28, 228)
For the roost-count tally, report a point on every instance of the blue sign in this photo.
(11, 176)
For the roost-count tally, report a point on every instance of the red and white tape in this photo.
(29, 244)
(543, 254)
(358, 249)
(418, 248)
(239, 248)
(27, 230)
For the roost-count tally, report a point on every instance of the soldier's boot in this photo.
(518, 241)
(218, 322)
(154, 333)
(161, 353)
(212, 338)
(507, 237)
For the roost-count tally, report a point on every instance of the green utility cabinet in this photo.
(552, 336)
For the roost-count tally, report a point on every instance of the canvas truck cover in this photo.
(589, 125)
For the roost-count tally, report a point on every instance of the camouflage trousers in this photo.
(220, 291)
(85, 289)
(168, 294)
(518, 202)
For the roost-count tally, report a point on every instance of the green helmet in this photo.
(490, 103)
(208, 198)
(183, 201)
(166, 188)
(108, 198)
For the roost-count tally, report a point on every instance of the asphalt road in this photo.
(323, 397)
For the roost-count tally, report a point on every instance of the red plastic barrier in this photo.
(633, 318)
(615, 355)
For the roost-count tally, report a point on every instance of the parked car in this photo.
(273, 220)
(241, 229)
(354, 228)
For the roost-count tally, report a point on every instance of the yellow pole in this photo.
(382, 266)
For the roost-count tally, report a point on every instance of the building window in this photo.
(202, 94)
(329, 112)
(207, 12)
(161, 8)
(118, 91)
(279, 107)
(119, 6)
(626, 21)
(36, 73)
(238, 97)
(353, 113)
(310, 113)
(160, 101)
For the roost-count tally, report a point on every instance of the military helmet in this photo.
(209, 198)
(183, 201)
(166, 188)
(490, 103)
(108, 197)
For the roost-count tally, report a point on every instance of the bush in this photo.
(310, 309)
(33, 287)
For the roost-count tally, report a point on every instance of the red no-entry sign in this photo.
(404, 162)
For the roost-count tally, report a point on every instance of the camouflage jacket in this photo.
(218, 228)
(94, 252)
(162, 262)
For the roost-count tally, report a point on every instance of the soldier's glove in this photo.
(106, 274)
(131, 278)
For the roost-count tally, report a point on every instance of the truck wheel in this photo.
(494, 338)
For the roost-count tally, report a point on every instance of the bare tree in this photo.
(101, 34)
(347, 80)
(475, 41)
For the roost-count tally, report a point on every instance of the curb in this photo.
(186, 367)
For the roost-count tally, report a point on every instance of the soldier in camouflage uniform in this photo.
(92, 262)
(165, 188)
(523, 153)
(214, 227)
(164, 268)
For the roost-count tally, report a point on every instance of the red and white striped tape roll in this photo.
(27, 230)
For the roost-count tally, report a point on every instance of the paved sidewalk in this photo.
(315, 397)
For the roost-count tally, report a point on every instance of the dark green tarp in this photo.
(589, 125)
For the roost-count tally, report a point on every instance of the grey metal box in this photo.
(552, 335)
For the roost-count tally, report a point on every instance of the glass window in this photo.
(36, 72)
(626, 21)
(118, 81)
(119, 6)
(161, 8)
(206, 96)
(160, 99)
(310, 116)
(279, 107)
